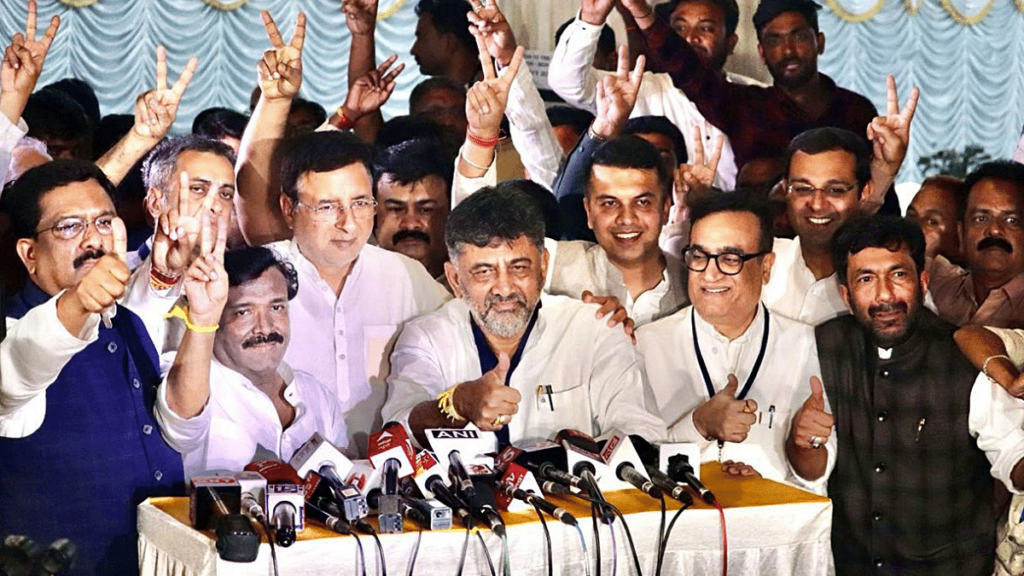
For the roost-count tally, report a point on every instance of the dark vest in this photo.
(98, 453)
(912, 492)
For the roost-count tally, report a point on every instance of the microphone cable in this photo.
(506, 562)
(725, 540)
(661, 535)
(487, 553)
(360, 555)
(415, 553)
(625, 525)
(270, 539)
(615, 550)
(547, 538)
(365, 527)
(462, 557)
(664, 541)
(597, 537)
(583, 544)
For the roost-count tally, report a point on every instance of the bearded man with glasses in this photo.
(726, 373)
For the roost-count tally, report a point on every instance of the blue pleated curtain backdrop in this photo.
(966, 55)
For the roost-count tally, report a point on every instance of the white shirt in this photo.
(572, 76)
(239, 421)
(10, 135)
(781, 387)
(593, 371)
(38, 346)
(577, 265)
(996, 418)
(344, 342)
(1018, 154)
(793, 291)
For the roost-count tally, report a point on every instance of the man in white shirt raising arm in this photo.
(504, 357)
(229, 395)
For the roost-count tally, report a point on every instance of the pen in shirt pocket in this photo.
(920, 425)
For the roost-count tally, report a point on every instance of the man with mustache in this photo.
(921, 434)
(79, 372)
(504, 357)
(990, 291)
(413, 183)
(229, 394)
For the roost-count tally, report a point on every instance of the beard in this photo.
(796, 79)
(503, 323)
(890, 332)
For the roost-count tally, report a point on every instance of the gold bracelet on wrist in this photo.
(446, 404)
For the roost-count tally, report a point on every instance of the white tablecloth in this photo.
(781, 538)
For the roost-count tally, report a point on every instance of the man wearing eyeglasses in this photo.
(78, 443)
(827, 181)
(353, 297)
(728, 374)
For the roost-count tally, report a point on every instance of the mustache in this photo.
(995, 242)
(88, 255)
(410, 235)
(883, 308)
(496, 299)
(263, 339)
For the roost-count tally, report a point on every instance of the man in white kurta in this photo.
(506, 358)
(229, 398)
(692, 357)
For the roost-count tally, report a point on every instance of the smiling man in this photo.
(727, 374)
(921, 433)
(627, 201)
(502, 355)
(991, 290)
(827, 178)
(229, 395)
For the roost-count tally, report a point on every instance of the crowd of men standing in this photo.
(692, 257)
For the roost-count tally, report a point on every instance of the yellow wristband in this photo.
(179, 312)
(446, 404)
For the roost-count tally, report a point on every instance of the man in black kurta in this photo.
(912, 486)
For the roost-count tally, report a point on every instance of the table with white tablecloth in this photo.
(771, 529)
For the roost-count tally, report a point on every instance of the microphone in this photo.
(214, 504)
(621, 456)
(389, 516)
(459, 475)
(330, 520)
(530, 498)
(320, 456)
(679, 469)
(482, 501)
(430, 514)
(284, 504)
(442, 493)
(392, 441)
(649, 457)
(350, 502)
(550, 487)
(254, 495)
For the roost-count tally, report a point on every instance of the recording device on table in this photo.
(22, 556)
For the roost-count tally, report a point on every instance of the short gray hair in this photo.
(494, 214)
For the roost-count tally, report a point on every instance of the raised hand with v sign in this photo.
(155, 110)
(486, 100)
(280, 68)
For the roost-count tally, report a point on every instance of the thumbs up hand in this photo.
(811, 424)
(725, 418)
(487, 402)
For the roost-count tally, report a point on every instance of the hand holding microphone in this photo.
(487, 402)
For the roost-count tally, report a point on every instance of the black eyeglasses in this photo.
(729, 263)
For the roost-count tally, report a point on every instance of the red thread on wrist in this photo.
(482, 142)
(161, 281)
(344, 123)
